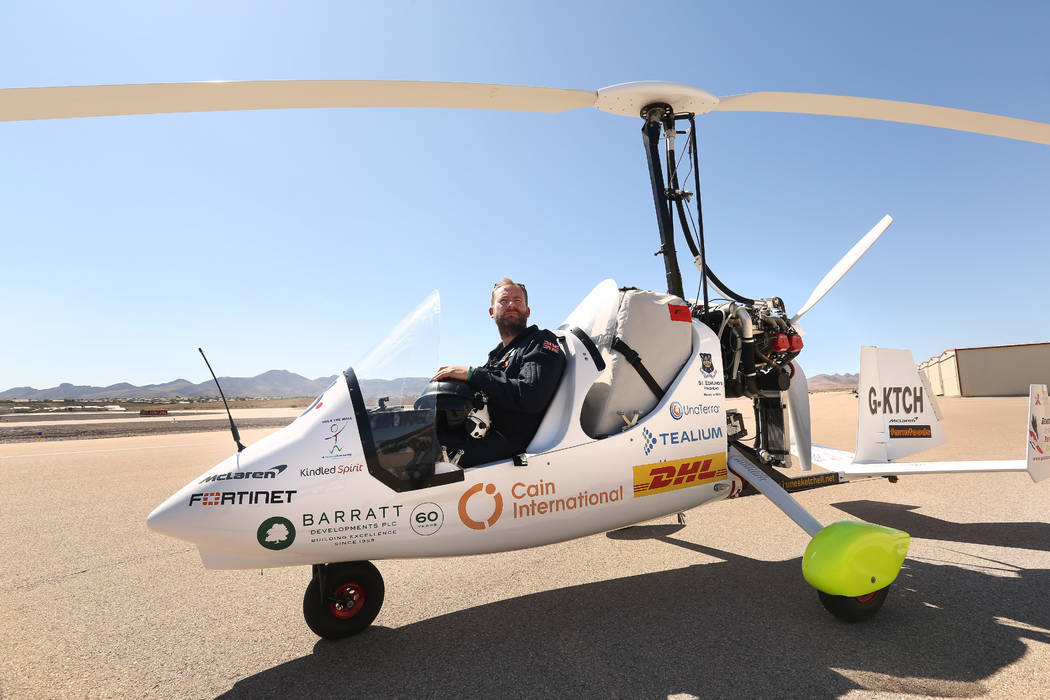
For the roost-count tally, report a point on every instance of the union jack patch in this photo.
(548, 345)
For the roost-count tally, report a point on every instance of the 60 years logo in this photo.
(427, 518)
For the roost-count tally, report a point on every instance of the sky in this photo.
(297, 239)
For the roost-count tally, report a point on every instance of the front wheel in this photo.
(350, 602)
(854, 609)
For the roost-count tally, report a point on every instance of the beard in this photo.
(510, 326)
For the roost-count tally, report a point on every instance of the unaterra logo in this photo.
(497, 511)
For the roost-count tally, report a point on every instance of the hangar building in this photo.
(998, 370)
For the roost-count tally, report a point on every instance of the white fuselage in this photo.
(324, 505)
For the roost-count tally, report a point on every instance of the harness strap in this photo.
(631, 356)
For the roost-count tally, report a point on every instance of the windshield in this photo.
(399, 367)
(401, 429)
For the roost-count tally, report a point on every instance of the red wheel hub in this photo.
(351, 598)
(866, 598)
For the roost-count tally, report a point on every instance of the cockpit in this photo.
(402, 416)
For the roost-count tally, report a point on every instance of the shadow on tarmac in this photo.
(1034, 536)
(738, 627)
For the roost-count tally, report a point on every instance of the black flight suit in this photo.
(519, 380)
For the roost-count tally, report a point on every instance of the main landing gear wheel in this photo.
(350, 602)
(854, 609)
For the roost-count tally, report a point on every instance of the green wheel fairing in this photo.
(850, 558)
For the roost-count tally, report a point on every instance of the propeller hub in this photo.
(629, 99)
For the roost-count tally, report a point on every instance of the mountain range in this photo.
(833, 381)
(278, 383)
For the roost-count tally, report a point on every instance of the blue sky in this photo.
(296, 239)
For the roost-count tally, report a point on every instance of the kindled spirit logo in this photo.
(497, 499)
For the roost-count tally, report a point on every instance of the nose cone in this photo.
(171, 518)
(174, 518)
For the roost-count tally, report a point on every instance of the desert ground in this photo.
(96, 605)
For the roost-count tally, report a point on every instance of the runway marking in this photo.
(84, 452)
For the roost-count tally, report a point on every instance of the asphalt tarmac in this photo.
(95, 605)
(71, 426)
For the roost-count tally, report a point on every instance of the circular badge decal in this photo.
(276, 533)
(427, 518)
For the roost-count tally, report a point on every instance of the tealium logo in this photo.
(496, 512)
(649, 439)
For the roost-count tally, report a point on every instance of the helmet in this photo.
(452, 400)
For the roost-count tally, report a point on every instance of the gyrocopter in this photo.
(639, 426)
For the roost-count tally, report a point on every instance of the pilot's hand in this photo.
(451, 372)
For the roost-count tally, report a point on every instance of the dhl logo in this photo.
(650, 479)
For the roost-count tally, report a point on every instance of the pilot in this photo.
(519, 379)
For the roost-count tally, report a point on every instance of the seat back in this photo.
(656, 326)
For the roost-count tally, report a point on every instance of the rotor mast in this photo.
(659, 116)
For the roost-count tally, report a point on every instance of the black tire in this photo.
(854, 609)
(358, 588)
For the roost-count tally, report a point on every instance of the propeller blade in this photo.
(843, 266)
(18, 104)
(798, 411)
(887, 110)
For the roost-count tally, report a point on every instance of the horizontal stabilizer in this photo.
(841, 461)
(906, 468)
(1036, 462)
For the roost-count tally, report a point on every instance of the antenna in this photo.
(233, 428)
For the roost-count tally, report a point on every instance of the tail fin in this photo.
(1037, 457)
(896, 413)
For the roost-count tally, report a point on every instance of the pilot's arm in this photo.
(529, 382)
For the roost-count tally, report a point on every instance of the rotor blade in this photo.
(843, 266)
(165, 98)
(887, 110)
(798, 412)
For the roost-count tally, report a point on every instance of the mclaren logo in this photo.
(270, 473)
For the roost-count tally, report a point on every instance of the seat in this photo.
(658, 328)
